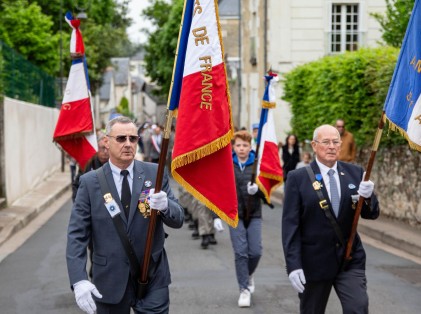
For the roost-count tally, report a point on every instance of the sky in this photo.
(135, 9)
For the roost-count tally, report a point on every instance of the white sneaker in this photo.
(245, 298)
(251, 285)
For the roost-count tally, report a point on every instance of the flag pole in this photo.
(143, 281)
(348, 257)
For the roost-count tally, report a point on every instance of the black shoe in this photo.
(195, 235)
(205, 241)
(212, 239)
(192, 225)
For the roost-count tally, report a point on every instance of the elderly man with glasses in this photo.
(317, 217)
(112, 209)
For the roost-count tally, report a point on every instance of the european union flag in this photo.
(403, 101)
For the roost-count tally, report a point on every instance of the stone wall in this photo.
(397, 177)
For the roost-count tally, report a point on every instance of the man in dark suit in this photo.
(112, 285)
(312, 244)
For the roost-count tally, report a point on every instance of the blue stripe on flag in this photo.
(181, 55)
(405, 87)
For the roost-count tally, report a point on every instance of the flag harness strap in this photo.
(324, 205)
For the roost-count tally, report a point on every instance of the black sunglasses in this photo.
(123, 138)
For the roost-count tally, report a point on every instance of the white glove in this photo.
(252, 188)
(83, 290)
(158, 201)
(217, 224)
(366, 188)
(297, 280)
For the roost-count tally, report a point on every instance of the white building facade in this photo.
(282, 34)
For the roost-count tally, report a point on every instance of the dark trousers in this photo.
(350, 286)
(156, 301)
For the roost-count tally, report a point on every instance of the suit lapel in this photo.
(138, 180)
(114, 192)
(344, 181)
(316, 170)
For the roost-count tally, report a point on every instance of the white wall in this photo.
(30, 154)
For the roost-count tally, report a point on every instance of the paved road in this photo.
(33, 279)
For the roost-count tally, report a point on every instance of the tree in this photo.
(395, 21)
(32, 27)
(26, 29)
(162, 42)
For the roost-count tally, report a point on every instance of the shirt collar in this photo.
(116, 171)
(324, 169)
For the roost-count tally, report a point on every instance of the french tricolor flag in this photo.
(75, 130)
(202, 161)
(76, 41)
(269, 170)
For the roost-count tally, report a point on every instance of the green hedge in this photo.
(351, 86)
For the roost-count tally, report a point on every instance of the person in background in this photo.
(314, 237)
(72, 165)
(290, 155)
(246, 239)
(348, 147)
(254, 133)
(155, 143)
(100, 158)
(306, 159)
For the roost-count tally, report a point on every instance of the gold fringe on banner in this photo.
(268, 104)
(395, 128)
(272, 177)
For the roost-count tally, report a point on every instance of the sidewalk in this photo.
(17, 215)
(13, 218)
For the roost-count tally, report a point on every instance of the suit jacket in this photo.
(90, 220)
(309, 240)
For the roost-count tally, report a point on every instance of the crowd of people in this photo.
(120, 180)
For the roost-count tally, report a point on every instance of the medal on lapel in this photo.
(143, 204)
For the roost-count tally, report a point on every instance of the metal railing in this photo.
(20, 79)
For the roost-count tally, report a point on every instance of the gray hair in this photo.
(99, 136)
(119, 119)
(316, 131)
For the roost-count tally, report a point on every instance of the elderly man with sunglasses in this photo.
(121, 194)
(318, 213)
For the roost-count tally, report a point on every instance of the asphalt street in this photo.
(33, 278)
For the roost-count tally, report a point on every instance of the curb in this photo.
(19, 214)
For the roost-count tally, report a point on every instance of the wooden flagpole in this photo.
(348, 257)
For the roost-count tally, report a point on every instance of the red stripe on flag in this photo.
(271, 174)
(75, 117)
(79, 148)
(213, 179)
(200, 126)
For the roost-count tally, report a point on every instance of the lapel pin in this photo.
(351, 186)
(342, 174)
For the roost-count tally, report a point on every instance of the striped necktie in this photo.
(334, 194)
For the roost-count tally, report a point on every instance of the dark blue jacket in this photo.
(308, 238)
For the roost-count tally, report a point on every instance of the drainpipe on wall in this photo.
(265, 37)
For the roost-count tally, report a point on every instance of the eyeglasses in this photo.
(123, 138)
(327, 142)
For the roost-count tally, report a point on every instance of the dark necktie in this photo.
(126, 195)
(334, 194)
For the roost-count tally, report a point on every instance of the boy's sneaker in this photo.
(251, 286)
(245, 298)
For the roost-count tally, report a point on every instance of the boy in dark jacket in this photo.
(246, 239)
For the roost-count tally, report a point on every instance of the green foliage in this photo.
(32, 27)
(395, 21)
(27, 30)
(162, 44)
(123, 108)
(351, 86)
